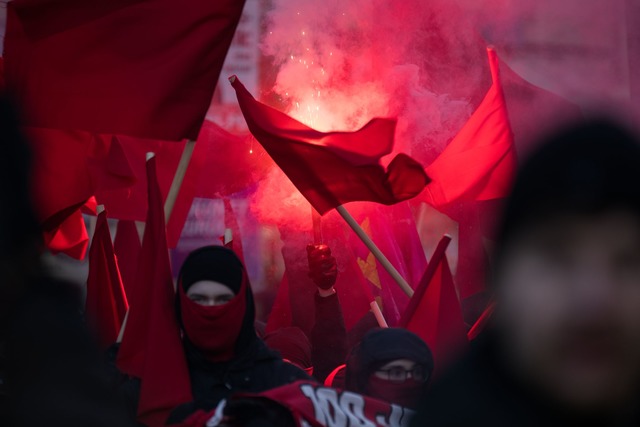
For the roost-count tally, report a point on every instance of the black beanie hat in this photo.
(585, 169)
(215, 263)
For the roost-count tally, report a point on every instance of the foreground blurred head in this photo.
(390, 364)
(567, 273)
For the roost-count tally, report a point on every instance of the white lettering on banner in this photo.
(353, 405)
(399, 417)
(347, 409)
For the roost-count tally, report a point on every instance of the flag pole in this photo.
(317, 226)
(174, 190)
(375, 308)
(375, 251)
(482, 321)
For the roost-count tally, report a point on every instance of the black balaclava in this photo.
(222, 265)
(586, 169)
(377, 348)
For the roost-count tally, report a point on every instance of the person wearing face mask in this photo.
(216, 313)
(391, 364)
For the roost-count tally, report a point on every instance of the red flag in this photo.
(61, 181)
(221, 164)
(69, 167)
(151, 347)
(434, 311)
(122, 67)
(131, 203)
(280, 315)
(70, 237)
(479, 163)
(106, 303)
(127, 248)
(333, 168)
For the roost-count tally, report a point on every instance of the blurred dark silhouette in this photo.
(51, 372)
(564, 344)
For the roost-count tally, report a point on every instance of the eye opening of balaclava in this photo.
(379, 347)
(217, 332)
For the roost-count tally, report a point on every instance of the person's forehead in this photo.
(209, 287)
(401, 363)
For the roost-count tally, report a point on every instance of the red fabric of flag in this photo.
(106, 303)
(131, 203)
(69, 237)
(151, 347)
(222, 164)
(68, 168)
(434, 311)
(127, 249)
(280, 315)
(333, 168)
(480, 162)
(140, 68)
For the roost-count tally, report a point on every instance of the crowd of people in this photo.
(562, 346)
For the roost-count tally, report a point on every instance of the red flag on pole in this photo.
(151, 347)
(434, 312)
(333, 168)
(106, 303)
(480, 162)
(145, 69)
(127, 248)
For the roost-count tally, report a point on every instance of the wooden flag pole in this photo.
(375, 308)
(375, 251)
(174, 190)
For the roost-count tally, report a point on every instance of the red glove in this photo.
(323, 269)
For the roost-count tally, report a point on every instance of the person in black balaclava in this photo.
(216, 311)
(392, 364)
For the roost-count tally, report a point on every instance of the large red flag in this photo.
(333, 168)
(151, 347)
(106, 303)
(434, 311)
(132, 67)
(479, 163)
(68, 168)
(127, 248)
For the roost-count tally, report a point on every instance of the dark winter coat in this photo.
(328, 336)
